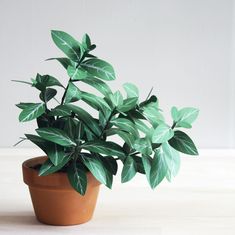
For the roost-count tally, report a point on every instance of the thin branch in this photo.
(149, 93)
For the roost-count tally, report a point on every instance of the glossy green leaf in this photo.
(48, 94)
(55, 135)
(127, 137)
(54, 151)
(94, 101)
(43, 81)
(129, 169)
(158, 168)
(131, 90)
(77, 178)
(142, 126)
(110, 164)
(60, 110)
(25, 82)
(116, 98)
(64, 61)
(172, 160)
(153, 114)
(24, 105)
(31, 112)
(139, 164)
(86, 118)
(147, 163)
(101, 86)
(86, 41)
(126, 125)
(73, 93)
(76, 74)
(48, 167)
(128, 104)
(96, 167)
(183, 143)
(99, 68)
(70, 127)
(143, 145)
(152, 101)
(104, 147)
(186, 116)
(174, 114)
(162, 134)
(67, 44)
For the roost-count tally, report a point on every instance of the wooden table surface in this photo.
(200, 200)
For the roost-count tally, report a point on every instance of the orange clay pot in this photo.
(54, 200)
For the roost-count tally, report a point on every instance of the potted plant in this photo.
(80, 153)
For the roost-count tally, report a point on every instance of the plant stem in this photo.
(66, 89)
(107, 122)
(173, 125)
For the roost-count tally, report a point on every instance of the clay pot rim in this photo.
(31, 162)
(52, 181)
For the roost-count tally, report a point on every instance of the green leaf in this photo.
(142, 126)
(131, 90)
(152, 101)
(96, 167)
(172, 160)
(153, 114)
(162, 134)
(76, 73)
(126, 125)
(65, 62)
(110, 164)
(183, 143)
(48, 167)
(94, 101)
(147, 162)
(67, 44)
(99, 68)
(60, 110)
(104, 147)
(128, 104)
(127, 137)
(43, 81)
(55, 152)
(70, 127)
(77, 178)
(158, 168)
(86, 118)
(101, 86)
(28, 83)
(31, 112)
(24, 105)
(174, 114)
(186, 116)
(47, 94)
(139, 164)
(116, 98)
(73, 93)
(143, 145)
(55, 135)
(86, 41)
(129, 169)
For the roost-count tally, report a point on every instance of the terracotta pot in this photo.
(54, 200)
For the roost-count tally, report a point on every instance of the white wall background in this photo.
(184, 48)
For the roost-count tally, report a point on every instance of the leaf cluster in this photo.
(77, 142)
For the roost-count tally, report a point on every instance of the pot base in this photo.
(55, 202)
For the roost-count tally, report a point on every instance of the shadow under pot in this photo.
(54, 200)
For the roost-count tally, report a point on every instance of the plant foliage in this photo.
(77, 142)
